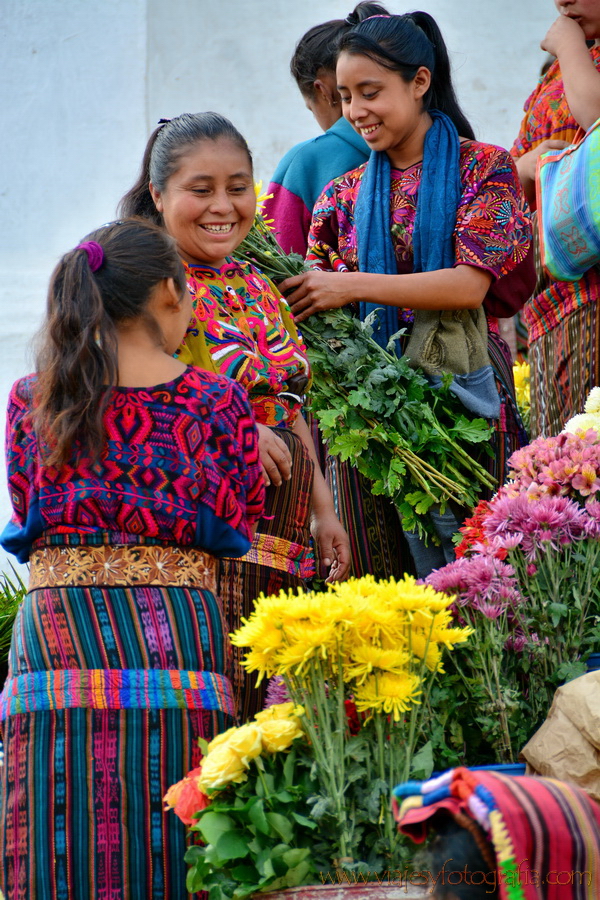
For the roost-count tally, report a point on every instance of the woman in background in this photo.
(129, 472)
(308, 167)
(563, 319)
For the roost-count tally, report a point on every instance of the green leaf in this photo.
(281, 825)
(295, 855)
(245, 873)
(297, 875)
(212, 825)
(302, 820)
(422, 763)
(232, 845)
(258, 818)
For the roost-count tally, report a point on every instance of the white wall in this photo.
(84, 82)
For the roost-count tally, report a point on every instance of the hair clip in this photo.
(163, 121)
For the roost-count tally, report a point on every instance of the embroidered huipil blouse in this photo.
(242, 327)
(180, 466)
(492, 224)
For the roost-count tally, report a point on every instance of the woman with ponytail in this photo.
(305, 169)
(129, 472)
(425, 233)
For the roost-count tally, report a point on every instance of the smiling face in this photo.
(386, 110)
(208, 203)
(585, 12)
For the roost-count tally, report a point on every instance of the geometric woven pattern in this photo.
(242, 327)
(180, 465)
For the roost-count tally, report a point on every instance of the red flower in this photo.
(186, 798)
(352, 716)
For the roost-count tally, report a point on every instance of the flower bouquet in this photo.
(413, 442)
(526, 582)
(302, 793)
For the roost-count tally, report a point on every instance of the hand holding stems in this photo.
(275, 458)
(331, 539)
(317, 291)
(462, 287)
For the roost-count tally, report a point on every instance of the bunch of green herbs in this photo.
(413, 442)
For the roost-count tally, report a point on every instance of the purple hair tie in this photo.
(95, 254)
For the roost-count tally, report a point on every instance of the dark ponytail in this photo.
(77, 357)
(404, 44)
(166, 145)
(317, 49)
(138, 199)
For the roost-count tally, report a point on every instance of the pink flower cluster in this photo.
(482, 582)
(548, 504)
(567, 465)
(535, 525)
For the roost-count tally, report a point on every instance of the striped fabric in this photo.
(510, 434)
(265, 569)
(116, 689)
(109, 689)
(559, 384)
(377, 545)
(565, 366)
(545, 834)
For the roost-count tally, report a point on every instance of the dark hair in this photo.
(77, 345)
(462, 860)
(403, 44)
(166, 145)
(317, 49)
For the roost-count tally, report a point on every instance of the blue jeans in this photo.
(428, 556)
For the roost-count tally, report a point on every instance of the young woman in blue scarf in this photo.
(433, 231)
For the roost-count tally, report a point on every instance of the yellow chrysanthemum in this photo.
(390, 694)
(285, 632)
(522, 375)
(427, 650)
(361, 661)
(295, 657)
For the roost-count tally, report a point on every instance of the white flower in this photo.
(583, 422)
(592, 404)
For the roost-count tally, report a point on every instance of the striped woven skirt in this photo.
(280, 558)
(117, 666)
(565, 366)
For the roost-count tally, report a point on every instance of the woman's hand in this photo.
(562, 35)
(317, 291)
(275, 458)
(333, 545)
(526, 166)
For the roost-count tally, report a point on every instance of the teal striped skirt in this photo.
(113, 677)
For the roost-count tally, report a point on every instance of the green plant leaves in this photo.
(213, 825)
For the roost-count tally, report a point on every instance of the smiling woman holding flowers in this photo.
(197, 182)
(426, 229)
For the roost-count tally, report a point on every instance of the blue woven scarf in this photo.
(437, 205)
